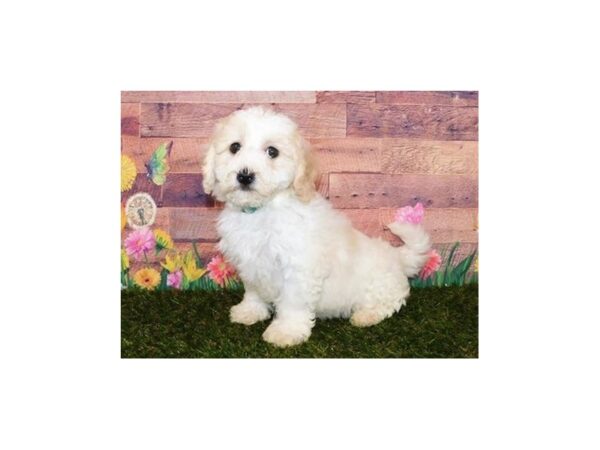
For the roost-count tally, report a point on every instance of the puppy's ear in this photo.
(208, 169)
(208, 165)
(306, 172)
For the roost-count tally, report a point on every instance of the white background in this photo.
(63, 383)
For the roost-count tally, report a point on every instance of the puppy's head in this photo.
(254, 154)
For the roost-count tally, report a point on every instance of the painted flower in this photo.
(190, 269)
(172, 264)
(123, 218)
(174, 279)
(138, 242)
(410, 214)
(163, 240)
(433, 263)
(219, 270)
(128, 173)
(124, 260)
(147, 278)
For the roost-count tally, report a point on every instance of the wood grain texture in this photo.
(416, 121)
(186, 153)
(452, 98)
(347, 155)
(429, 157)
(445, 225)
(194, 224)
(322, 184)
(366, 190)
(130, 119)
(219, 96)
(198, 119)
(346, 96)
(143, 184)
(185, 189)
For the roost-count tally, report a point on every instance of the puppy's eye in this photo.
(273, 152)
(235, 147)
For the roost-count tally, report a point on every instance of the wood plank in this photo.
(185, 189)
(219, 96)
(429, 157)
(347, 155)
(444, 225)
(346, 96)
(323, 184)
(198, 120)
(454, 98)
(130, 119)
(366, 190)
(194, 224)
(186, 153)
(417, 121)
(143, 184)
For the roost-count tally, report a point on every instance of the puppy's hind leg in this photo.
(381, 301)
(250, 310)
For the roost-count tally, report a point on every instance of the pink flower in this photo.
(174, 279)
(219, 270)
(410, 214)
(138, 242)
(433, 263)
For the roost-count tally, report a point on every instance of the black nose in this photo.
(245, 178)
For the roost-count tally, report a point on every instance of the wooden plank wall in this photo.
(376, 151)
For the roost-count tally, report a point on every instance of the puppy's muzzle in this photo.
(245, 178)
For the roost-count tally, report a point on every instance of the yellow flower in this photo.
(163, 240)
(124, 260)
(147, 278)
(128, 173)
(477, 264)
(123, 218)
(191, 271)
(174, 264)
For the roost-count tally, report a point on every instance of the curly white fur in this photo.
(295, 254)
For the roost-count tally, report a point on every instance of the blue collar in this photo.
(250, 209)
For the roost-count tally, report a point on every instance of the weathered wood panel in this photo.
(417, 121)
(193, 224)
(452, 98)
(366, 190)
(143, 184)
(429, 157)
(445, 225)
(130, 119)
(186, 153)
(185, 189)
(198, 119)
(219, 96)
(346, 96)
(347, 155)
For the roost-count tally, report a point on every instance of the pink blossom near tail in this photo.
(410, 214)
(433, 263)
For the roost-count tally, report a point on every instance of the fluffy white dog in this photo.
(296, 256)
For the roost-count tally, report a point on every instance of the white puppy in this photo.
(294, 253)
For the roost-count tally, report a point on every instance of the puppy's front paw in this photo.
(285, 334)
(248, 313)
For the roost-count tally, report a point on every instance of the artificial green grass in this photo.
(435, 323)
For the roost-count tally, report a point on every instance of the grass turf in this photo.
(435, 323)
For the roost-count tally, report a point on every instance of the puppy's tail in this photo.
(414, 252)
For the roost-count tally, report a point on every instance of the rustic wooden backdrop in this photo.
(376, 151)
